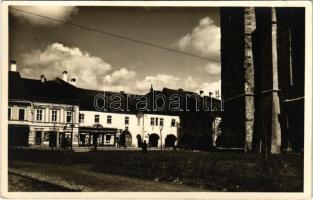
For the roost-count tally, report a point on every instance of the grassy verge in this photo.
(215, 171)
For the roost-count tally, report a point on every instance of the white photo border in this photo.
(306, 194)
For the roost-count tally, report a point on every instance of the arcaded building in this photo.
(262, 52)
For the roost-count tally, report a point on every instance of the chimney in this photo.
(201, 93)
(73, 81)
(151, 88)
(13, 66)
(42, 78)
(64, 76)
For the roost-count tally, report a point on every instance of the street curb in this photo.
(51, 180)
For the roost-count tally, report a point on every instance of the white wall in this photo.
(118, 121)
(143, 128)
(164, 131)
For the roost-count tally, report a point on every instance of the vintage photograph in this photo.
(156, 98)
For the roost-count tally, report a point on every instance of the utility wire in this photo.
(117, 36)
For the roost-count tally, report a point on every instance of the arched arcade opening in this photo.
(154, 140)
(170, 140)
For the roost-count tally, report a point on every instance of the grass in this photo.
(214, 171)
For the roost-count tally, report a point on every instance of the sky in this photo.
(102, 62)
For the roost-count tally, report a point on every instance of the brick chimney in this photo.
(73, 81)
(42, 78)
(64, 73)
(13, 66)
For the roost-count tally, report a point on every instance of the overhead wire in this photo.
(116, 35)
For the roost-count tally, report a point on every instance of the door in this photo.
(52, 139)
(153, 140)
(128, 140)
(38, 138)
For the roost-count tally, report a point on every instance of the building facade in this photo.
(41, 113)
(56, 113)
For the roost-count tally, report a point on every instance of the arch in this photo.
(139, 140)
(126, 139)
(154, 140)
(97, 126)
(170, 140)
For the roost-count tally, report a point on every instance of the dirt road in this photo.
(80, 177)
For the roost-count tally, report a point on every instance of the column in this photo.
(276, 130)
(249, 24)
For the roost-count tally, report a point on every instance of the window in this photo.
(173, 122)
(161, 121)
(81, 118)
(126, 120)
(21, 114)
(9, 113)
(152, 121)
(39, 115)
(107, 138)
(68, 116)
(54, 116)
(156, 121)
(97, 118)
(109, 119)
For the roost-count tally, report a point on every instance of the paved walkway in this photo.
(81, 178)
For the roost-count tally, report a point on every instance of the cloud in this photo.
(89, 70)
(212, 69)
(203, 40)
(211, 87)
(119, 80)
(57, 12)
(160, 81)
(94, 73)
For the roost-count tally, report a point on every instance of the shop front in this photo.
(102, 136)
